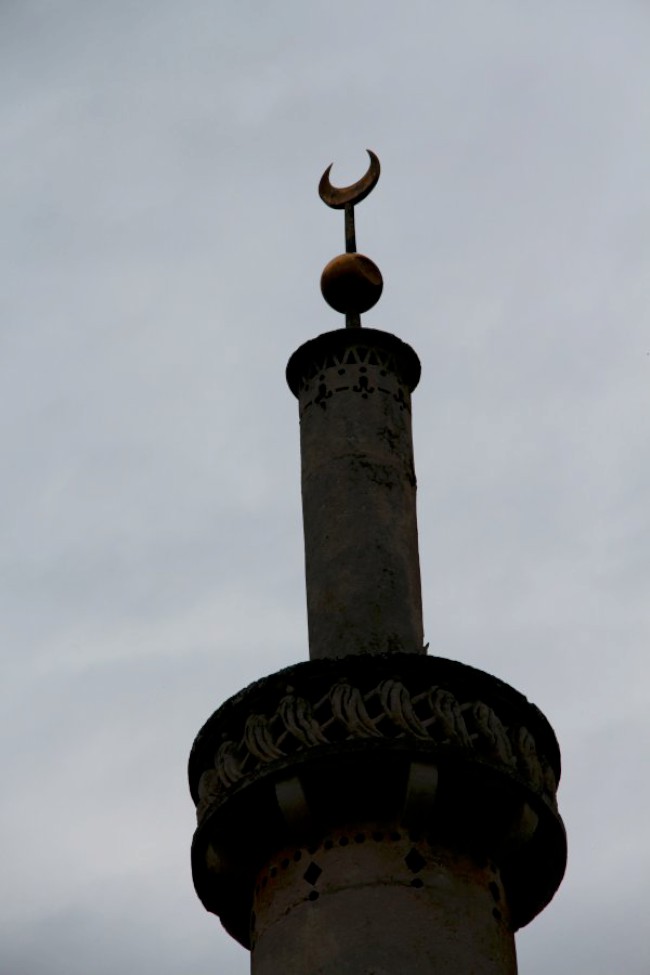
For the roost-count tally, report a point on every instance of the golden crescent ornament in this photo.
(340, 197)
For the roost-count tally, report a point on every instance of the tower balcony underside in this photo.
(414, 747)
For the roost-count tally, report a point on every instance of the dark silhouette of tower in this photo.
(373, 810)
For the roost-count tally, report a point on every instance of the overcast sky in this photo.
(162, 242)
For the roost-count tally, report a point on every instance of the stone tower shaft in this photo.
(358, 492)
(372, 810)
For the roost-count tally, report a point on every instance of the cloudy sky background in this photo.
(162, 242)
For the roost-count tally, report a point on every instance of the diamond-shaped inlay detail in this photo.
(415, 861)
(312, 873)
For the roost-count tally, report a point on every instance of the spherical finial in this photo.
(351, 284)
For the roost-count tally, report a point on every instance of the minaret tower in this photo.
(373, 810)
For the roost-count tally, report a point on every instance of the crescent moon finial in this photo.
(340, 197)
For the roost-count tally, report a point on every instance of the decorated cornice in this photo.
(326, 726)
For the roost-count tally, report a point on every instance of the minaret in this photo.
(373, 810)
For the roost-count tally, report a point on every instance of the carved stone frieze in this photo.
(434, 702)
(372, 363)
(354, 377)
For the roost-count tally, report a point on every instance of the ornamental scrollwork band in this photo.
(389, 711)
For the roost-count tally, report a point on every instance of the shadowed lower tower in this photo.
(373, 810)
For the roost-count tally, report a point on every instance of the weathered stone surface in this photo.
(379, 900)
(358, 492)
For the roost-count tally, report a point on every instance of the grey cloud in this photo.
(163, 241)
